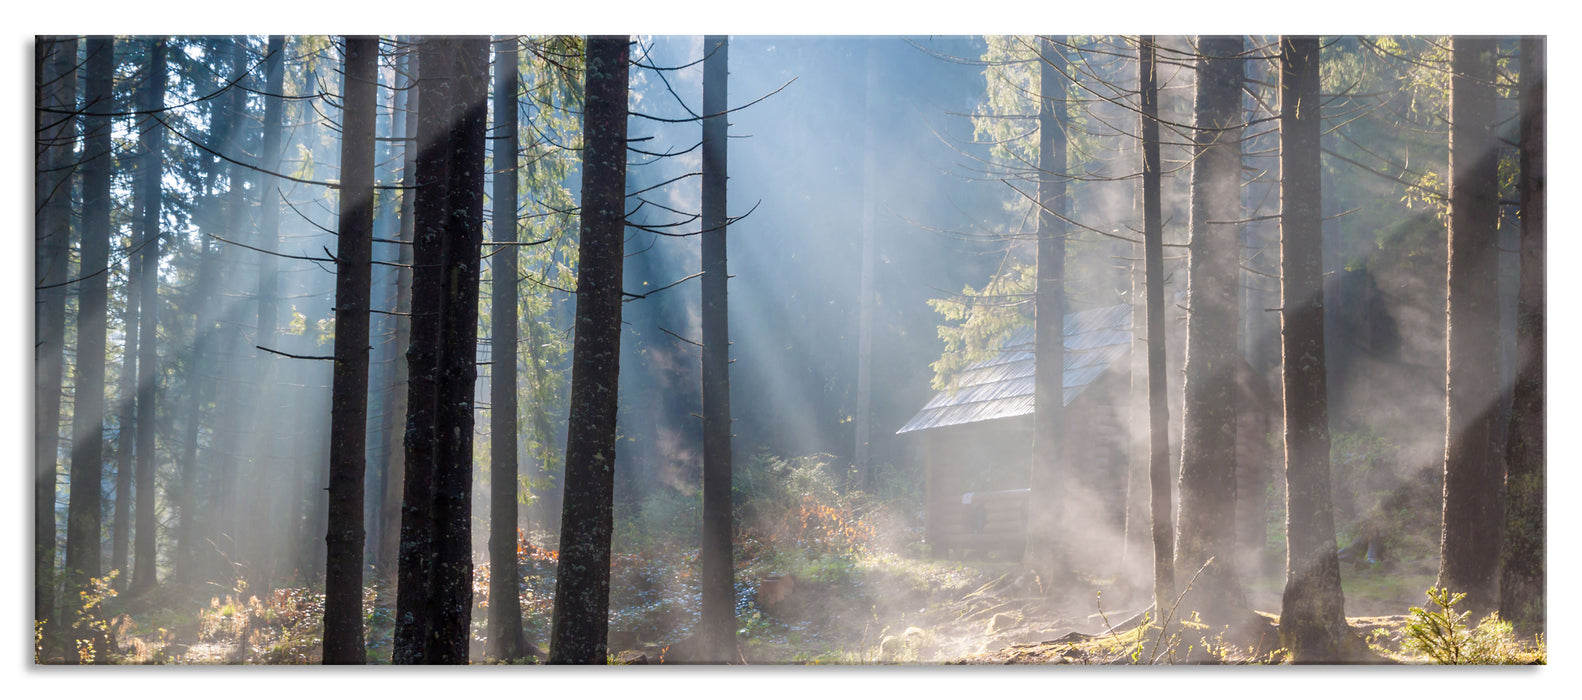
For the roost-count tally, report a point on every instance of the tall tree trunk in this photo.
(57, 80)
(1160, 503)
(414, 605)
(1470, 536)
(265, 435)
(151, 99)
(201, 378)
(233, 411)
(1522, 594)
(1045, 516)
(343, 581)
(459, 352)
(862, 422)
(582, 585)
(406, 119)
(83, 527)
(1312, 611)
(126, 420)
(434, 598)
(716, 556)
(382, 325)
(506, 638)
(1207, 522)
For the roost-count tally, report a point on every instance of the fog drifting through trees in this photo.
(198, 301)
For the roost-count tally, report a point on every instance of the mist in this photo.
(911, 547)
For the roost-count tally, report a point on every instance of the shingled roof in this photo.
(1002, 386)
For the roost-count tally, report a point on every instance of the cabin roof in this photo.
(1002, 386)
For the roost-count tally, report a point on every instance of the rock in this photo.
(631, 657)
(1002, 621)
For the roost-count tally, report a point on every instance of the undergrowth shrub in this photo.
(1442, 635)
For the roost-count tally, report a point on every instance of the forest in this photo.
(775, 350)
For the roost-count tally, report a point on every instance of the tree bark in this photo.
(716, 555)
(582, 585)
(434, 599)
(83, 527)
(506, 638)
(265, 435)
(1160, 503)
(1045, 511)
(1523, 599)
(343, 581)
(395, 411)
(1206, 535)
(1473, 518)
(57, 81)
(1312, 611)
(151, 99)
(862, 422)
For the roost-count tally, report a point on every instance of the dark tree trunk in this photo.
(459, 351)
(1522, 593)
(83, 527)
(582, 584)
(1207, 522)
(1045, 516)
(415, 613)
(343, 581)
(716, 557)
(1312, 611)
(1470, 537)
(151, 99)
(57, 61)
(1160, 503)
(506, 638)
(434, 599)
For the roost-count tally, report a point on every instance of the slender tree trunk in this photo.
(1472, 524)
(343, 581)
(202, 379)
(1522, 591)
(265, 435)
(233, 409)
(396, 410)
(1312, 611)
(506, 638)
(1047, 550)
(145, 576)
(83, 526)
(126, 421)
(582, 585)
(1206, 535)
(862, 422)
(1160, 503)
(382, 325)
(57, 60)
(716, 555)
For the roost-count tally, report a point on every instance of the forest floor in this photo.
(918, 611)
(870, 607)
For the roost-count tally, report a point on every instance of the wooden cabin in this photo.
(979, 438)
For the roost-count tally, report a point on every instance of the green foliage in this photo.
(1443, 637)
(978, 321)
